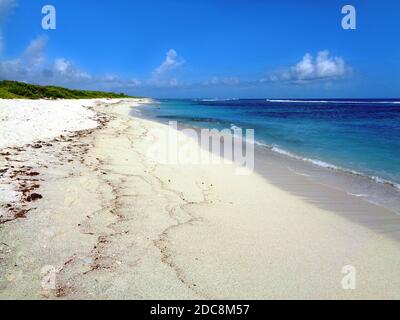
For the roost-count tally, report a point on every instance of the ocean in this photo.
(358, 137)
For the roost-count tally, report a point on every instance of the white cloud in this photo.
(321, 68)
(28, 64)
(32, 66)
(114, 81)
(134, 83)
(305, 68)
(163, 75)
(6, 8)
(62, 65)
(65, 71)
(110, 78)
(34, 53)
(171, 61)
(329, 66)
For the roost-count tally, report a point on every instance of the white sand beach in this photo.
(85, 215)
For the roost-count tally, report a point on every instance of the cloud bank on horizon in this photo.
(32, 66)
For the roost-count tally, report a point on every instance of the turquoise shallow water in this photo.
(359, 136)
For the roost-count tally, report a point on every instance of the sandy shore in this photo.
(85, 215)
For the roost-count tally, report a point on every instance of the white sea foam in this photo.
(332, 101)
(327, 165)
(361, 195)
(218, 99)
(319, 163)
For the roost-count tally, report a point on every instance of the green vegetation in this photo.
(20, 90)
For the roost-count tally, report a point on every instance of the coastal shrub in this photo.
(13, 90)
(4, 94)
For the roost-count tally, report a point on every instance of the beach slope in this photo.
(86, 215)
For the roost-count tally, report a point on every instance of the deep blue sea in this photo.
(358, 136)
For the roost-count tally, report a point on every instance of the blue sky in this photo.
(208, 48)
